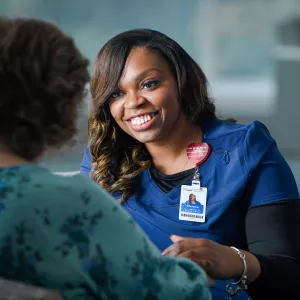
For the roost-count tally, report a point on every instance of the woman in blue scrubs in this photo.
(150, 104)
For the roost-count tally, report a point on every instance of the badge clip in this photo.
(196, 179)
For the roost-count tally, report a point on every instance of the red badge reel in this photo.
(199, 153)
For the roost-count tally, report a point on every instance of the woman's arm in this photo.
(272, 218)
(272, 233)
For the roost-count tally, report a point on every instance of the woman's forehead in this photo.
(143, 58)
(142, 61)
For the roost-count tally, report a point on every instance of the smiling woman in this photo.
(150, 109)
(147, 98)
(138, 97)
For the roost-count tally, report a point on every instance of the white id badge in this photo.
(193, 203)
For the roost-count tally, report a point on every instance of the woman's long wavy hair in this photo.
(117, 158)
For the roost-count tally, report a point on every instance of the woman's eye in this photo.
(150, 84)
(115, 95)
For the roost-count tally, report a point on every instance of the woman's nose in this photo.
(134, 101)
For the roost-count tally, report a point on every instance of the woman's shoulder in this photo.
(77, 185)
(236, 133)
(40, 186)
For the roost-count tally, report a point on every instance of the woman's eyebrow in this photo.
(144, 73)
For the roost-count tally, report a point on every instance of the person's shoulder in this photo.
(85, 165)
(258, 133)
(77, 184)
(217, 128)
(87, 153)
(254, 132)
(63, 187)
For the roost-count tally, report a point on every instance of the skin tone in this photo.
(148, 86)
(146, 106)
(8, 159)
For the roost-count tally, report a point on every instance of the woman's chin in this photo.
(146, 137)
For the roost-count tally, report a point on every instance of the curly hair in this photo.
(118, 159)
(42, 81)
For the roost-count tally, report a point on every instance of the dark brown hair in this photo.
(42, 81)
(118, 158)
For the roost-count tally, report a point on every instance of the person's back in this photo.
(66, 233)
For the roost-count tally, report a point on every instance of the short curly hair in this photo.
(42, 82)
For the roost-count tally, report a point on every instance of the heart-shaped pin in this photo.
(198, 152)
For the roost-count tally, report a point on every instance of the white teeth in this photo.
(141, 120)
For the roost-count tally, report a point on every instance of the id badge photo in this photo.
(192, 203)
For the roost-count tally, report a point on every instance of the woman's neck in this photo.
(169, 155)
(8, 159)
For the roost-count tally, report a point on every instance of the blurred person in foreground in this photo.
(66, 233)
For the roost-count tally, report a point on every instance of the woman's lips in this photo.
(143, 121)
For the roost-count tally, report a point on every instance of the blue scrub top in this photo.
(245, 169)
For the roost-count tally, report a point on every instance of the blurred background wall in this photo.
(250, 51)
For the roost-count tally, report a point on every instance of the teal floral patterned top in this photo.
(66, 233)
